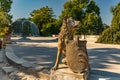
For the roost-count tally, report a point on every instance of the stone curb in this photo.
(20, 62)
(17, 63)
(15, 60)
(20, 68)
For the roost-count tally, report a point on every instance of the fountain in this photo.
(24, 28)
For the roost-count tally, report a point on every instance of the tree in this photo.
(92, 7)
(92, 19)
(74, 8)
(105, 26)
(4, 23)
(5, 18)
(112, 34)
(42, 17)
(5, 5)
(116, 16)
(87, 12)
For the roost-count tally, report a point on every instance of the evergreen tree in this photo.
(112, 34)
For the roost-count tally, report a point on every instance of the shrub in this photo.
(110, 36)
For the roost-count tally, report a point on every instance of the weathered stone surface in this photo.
(44, 76)
(3, 76)
(8, 69)
(24, 76)
(13, 75)
(64, 73)
(1, 56)
(15, 59)
(42, 68)
(27, 65)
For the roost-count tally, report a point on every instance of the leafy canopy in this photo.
(74, 8)
(5, 5)
(5, 18)
(87, 12)
(42, 17)
(4, 23)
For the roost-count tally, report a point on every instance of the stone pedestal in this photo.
(64, 73)
(8, 38)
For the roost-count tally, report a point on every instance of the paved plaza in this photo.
(104, 58)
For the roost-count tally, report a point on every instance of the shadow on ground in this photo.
(45, 56)
(102, 58)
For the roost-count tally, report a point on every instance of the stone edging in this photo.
(15, 60)
(25, 69)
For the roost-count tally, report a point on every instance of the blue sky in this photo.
(22, 8)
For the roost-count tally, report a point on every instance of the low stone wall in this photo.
(90, 38)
